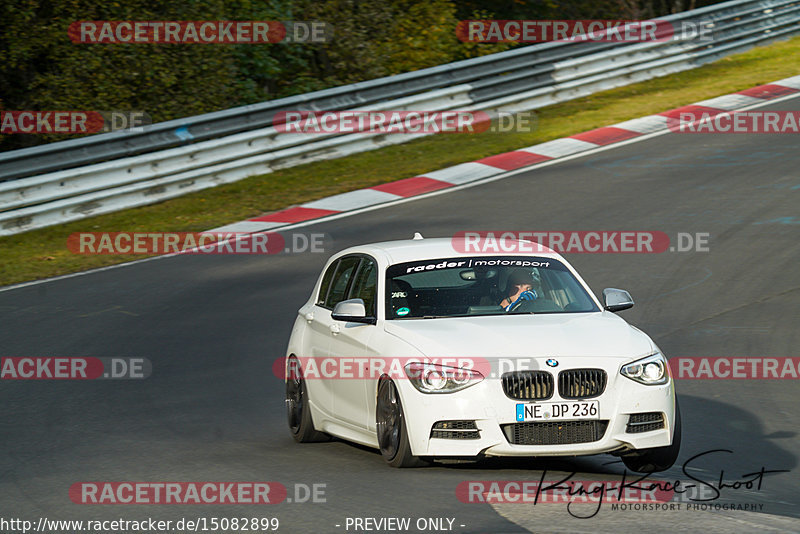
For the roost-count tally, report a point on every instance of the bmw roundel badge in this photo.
(552, 363)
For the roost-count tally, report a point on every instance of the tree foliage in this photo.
(41, 69)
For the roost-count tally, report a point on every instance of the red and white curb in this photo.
(509, 161)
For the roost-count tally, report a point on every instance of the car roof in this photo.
(444, 247)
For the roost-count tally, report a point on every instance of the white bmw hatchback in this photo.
(424, 352)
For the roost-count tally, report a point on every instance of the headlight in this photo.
(434, 378)
(650, 371)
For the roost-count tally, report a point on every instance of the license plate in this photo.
(558, 411)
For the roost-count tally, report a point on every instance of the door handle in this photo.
(334, 329)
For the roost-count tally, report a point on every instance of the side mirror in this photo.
(617, 299)
(352, 311)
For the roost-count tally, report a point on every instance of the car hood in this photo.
(601, 334)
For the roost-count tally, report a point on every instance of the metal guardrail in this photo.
(69, 180)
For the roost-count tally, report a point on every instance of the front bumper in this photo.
(490, 408)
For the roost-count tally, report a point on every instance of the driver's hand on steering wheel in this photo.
(528, 294)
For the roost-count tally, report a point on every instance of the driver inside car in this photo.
(519, 289)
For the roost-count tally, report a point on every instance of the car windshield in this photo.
(485, 285)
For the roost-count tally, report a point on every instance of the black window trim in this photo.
(364, 259)
(322, 299)
(361, 256)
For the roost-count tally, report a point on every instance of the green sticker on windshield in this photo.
(402, 311)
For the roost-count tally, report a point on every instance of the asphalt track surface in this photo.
(213, 325)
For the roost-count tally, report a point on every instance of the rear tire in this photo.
(391, 428)
(657, 458)
(297, 410)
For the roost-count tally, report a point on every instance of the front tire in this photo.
(391, 427)
(297, 410)
(657, 458)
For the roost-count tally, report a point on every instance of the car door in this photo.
(351, 341)
(333, 287)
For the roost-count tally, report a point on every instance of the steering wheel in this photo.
(525, 296)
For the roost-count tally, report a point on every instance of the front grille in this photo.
(455, 430)
(528, 385)
(644, 422)
(555, 432)
(581, 383)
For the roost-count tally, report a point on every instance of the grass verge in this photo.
(43, 253)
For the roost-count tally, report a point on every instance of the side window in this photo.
(326, 283)
(365, 284)
(341, 280)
